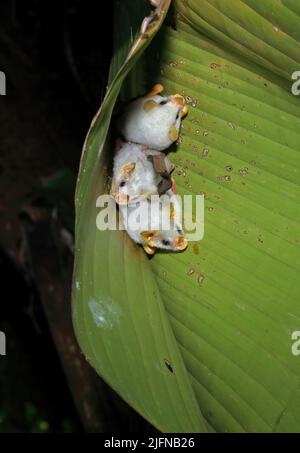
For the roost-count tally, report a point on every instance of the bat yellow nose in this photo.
(178, 100)
(181, 243)
(149, 250)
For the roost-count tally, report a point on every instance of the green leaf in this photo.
(128, 17)
(266, 32)
(231, 300)
(118, 315)
(240, 145)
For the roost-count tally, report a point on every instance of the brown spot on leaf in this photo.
(200, 278)
(196, 249)
(215, 65)
(224, 178)
(243, 171)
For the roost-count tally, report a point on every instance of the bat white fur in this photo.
(154, 216)
(142, 181)
(152, 121)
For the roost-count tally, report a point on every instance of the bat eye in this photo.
(163, 102)
(165, 242)
(122, 183)
(179, 231)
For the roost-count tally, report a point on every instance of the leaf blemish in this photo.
(224, 178)
(243, 171)
(105, 313)
(200, 278)
(215, 65)
(168, 365)
(196, 249)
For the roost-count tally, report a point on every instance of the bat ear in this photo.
(150, 105)
(127, 170)
(173, 133)
(148, 236)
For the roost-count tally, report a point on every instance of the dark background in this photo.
(56, 56)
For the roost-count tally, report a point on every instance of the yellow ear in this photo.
(150, 105)
(158, 88)
(127, 170)
(148, 236)
(173, 133)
